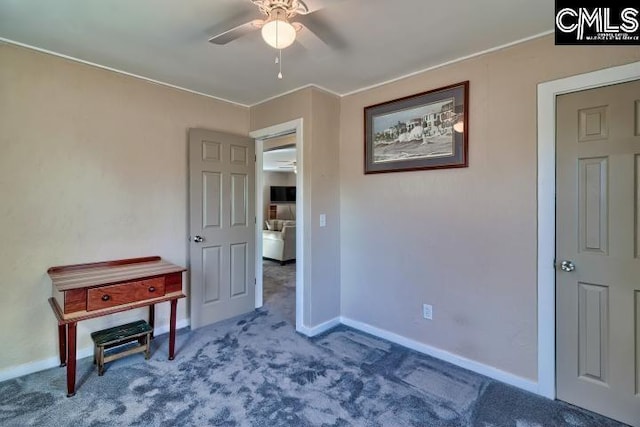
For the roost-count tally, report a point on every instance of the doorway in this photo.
(279, 192)
(547, 94)
(262, 137)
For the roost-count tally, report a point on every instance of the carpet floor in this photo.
(255, 370)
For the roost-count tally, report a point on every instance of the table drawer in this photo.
(124, 293)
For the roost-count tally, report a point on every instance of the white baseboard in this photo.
(318, 329)
(164, 329)
(52, 362)
(40, 365)
(455, 359)
(480, 368)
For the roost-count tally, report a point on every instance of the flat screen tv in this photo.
(283, 194)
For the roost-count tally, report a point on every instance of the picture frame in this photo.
(428, 130)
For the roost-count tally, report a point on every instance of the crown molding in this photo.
(453, 61)
(289, 92)
(115, 70)
(311, 85)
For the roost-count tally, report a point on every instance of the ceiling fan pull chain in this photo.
(279, 57)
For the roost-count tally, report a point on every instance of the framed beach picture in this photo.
(424, 131)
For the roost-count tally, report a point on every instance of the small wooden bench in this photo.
(118, 335)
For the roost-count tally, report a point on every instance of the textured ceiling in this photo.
(279, 160)
(370, 41)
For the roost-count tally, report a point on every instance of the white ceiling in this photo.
(280, 160)
(372, 40)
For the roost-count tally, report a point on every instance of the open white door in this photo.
(221, 225)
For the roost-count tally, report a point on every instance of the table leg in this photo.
(152, 317)
(71, 359)
(172, 329)
(62, 344)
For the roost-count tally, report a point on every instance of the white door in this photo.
(222, 225)
(598, 250)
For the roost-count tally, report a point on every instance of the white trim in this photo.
(338, 94)
(453, 61)
(301, 227)
(164, 329)
(321, 328)
(463, 362)
(115, 70)
(40, 365)
(52, 362)
(259, 152)
(270, 132)
(547, 93)
(281, 129)
(289, 92)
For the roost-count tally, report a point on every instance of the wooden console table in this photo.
(86, 291)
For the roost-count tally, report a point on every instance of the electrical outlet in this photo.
(427, 311)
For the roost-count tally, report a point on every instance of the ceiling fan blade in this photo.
(237, 32)
(323, 30)
(311, 41)
(314, 5)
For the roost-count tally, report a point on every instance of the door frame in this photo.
(260, 135)
(547, 93)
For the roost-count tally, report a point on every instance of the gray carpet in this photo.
(279, 289)
(256, 371)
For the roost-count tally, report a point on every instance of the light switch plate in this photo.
(427, 311)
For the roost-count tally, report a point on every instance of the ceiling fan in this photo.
(277, 28)
(288, 164)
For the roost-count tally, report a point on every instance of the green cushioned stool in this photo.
(118, 335)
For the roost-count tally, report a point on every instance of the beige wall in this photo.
(320, 113)
(463, 240)
(93, 166)
(325, 199)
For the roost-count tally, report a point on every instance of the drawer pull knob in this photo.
(152, 289)
(106, 297)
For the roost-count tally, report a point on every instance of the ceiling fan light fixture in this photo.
(277, 32)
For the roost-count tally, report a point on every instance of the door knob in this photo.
(567, 266)
(198, 239)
